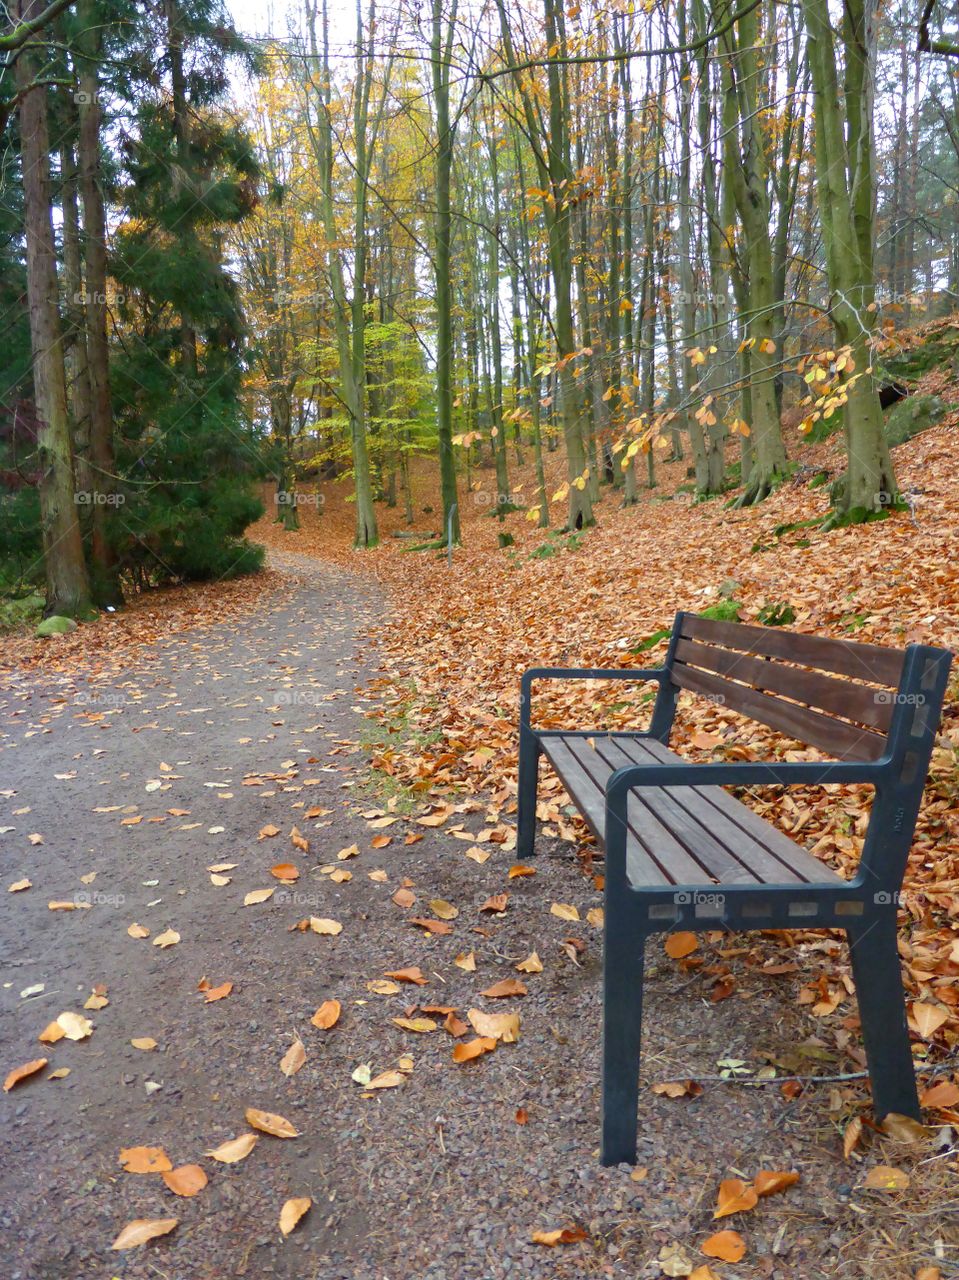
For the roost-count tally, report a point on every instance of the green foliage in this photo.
(777, 615)
(725, 611)
(912, 416)
(652, 641)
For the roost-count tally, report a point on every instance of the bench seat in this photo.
(681, 835)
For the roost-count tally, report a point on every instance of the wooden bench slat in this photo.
(702, 857)
(837, 738)
(588, 794)
(806, 866)
(839, 697)
(843, 657)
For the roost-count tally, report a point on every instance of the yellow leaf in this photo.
(532, 964)
(140, 1230)
(563, 1235)
(443, 910)
(146, 1043)
(328, 928)
(138, 931)
(735, 1196)
(495, 1026)
(883, 1177)
(292, 1212)
(564, 911)
(927, 1018)
(387, 1080)
(235, 1149)
(256, 896)
(415, 1024)
(169, 938)
(293, 1059)
(19, 885)
(466, 960)
(75, 1026)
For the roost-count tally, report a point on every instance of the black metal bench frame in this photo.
(743, 666)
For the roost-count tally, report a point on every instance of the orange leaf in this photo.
(564, 1235)
(768, 1182)
(883, 1177)
(187, 1180)
(145, 1160)
(522, 1116)
(678, 945)
(269, 1122)
(140, 1230)
(412, 974)
(943, 1094)
(496, 903)
(21, 1073)
(327, 1015)
(728, 1246)
(403, 898)
(473, 1049)
(735, 1196)
(507, 987)
(218, 993)
(285, 871)
(518, 870)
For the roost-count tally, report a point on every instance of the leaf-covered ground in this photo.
(420, 1011)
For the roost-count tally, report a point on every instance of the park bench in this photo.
(683, 853)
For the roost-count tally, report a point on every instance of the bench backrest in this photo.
(837, 695)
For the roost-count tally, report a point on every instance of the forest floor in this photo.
(341, 730)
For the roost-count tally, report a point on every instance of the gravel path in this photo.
(257, 724)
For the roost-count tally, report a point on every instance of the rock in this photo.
(911, 416)
(56, 626)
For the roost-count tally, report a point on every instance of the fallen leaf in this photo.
(293, 1059)
(51, 1033)
(728, 1246)
(218, 993)
(167, 939)
(466, 960)
(563, 1235)
(285, 871)
(387, 1080)
(292, 1212)
(61, 1073)
(137, 931)
(95, 1002)
(532, 964)
(927, 1018)
(431, 926)
(478, 855)
(495, 1026)
(327, 1015)
(564, 911)
(234, 1149)
(504, 988)
(68, 906)
(256, 896)
(352, 851)
(735, 1196)
(36, 838)
(222, 866)
(340, 875)
(268, 832)
(902, 1128)
(680, 944)
(883, 1177)
(299, 841)
(521, 1116)
(517, 870)
(415, 1024)
(705, 1272)
(403, 898)
(679, 1089)
(674, 1261)
(380, 842)
(411, 974)
(380, 987)
(496, 903)
(19, 885)
(23, 1073)
(140, 1230)
(455, 1026)
(186, 1180)
(473, 1049)
(443, 910)
(596, 916)
(75, 1026)
(328, 928)
(145, 1160)
(851, 1136)
(770, 1182)
(378, 876)
(269, 1122)
(146, 1043)
(943, 1094)
(219, 881)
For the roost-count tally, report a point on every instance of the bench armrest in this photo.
(743, 774)
(579, 673)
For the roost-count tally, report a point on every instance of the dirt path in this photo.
(255, 724)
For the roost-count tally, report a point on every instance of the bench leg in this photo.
(622, 1033)
(529, 751)
(882, 1011)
